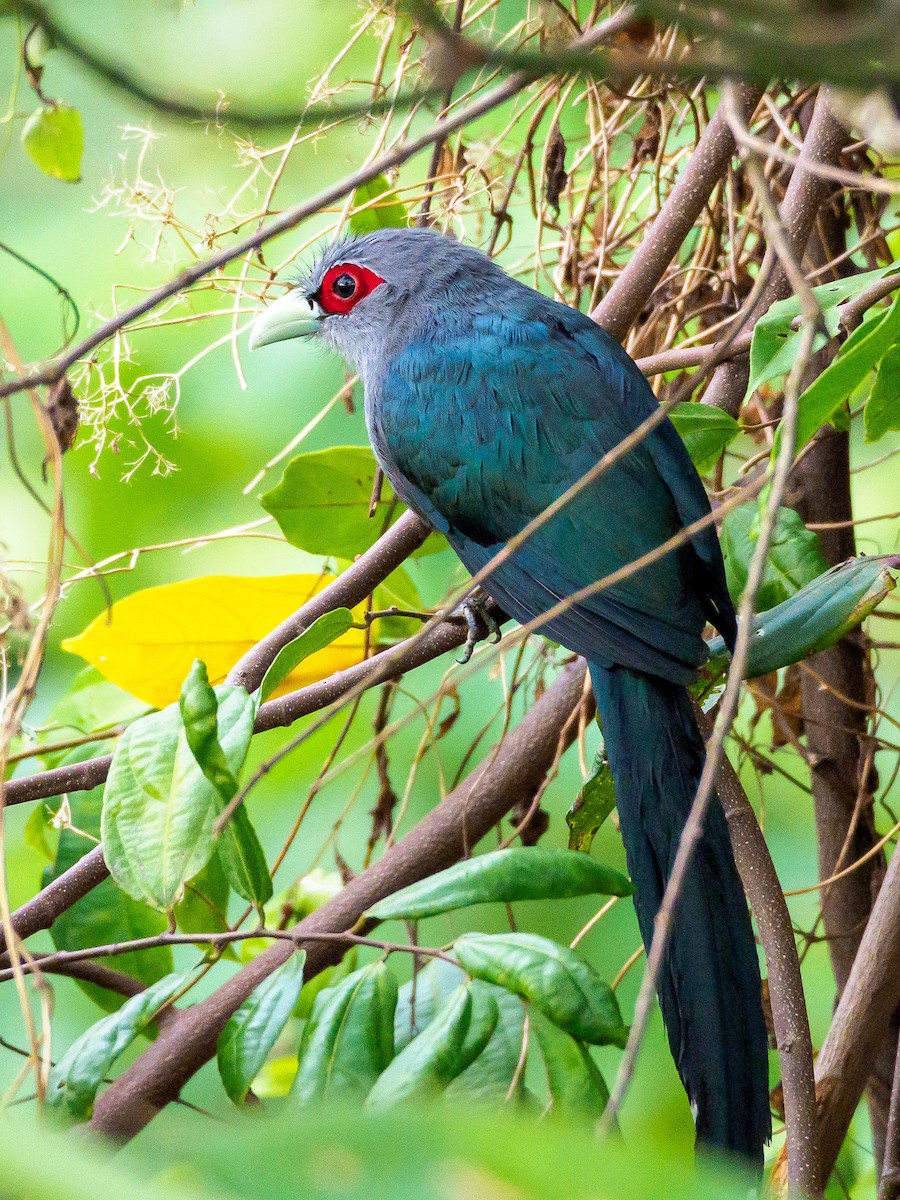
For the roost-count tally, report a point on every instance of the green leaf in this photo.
(882, 412)
(813, 619)
(422, 997)
(243, 859)
(159, 807)
(532, 873)
(865, 347)
(430, 1062)
(489, 1077)
(776, 343)
(204, 908)
(427, 1152)
(563, 986)
(247, 1040)
(705, 430)
(594, 803)
(385, 209)
(348, 1039)
(795, 558)
(577, 1088)
(53, 138)
(199, 707)
(74, 1081)
(322, 502)
(320, 634)
(106, 914)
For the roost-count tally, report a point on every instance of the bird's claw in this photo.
(475, 611)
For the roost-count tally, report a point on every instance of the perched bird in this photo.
(485, 401)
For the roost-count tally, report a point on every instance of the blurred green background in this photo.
(260, 53)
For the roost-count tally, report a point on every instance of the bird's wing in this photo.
(481, 432)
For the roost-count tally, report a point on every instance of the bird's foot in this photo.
(475, 610)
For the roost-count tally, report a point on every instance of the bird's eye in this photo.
(344, 287)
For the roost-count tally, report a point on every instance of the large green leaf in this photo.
(577, 1087)
(159, 807)
(348, 1039)
(826, 395)
(106, 914)
(490, 1076)
(322, 502)
(811, 620)
(423, 1153)
(776, 340)
(443, 1050)
(794, 560)
(705, 430)
(553, 977)
(74, 1081)
(882, 412)
(244, 860)
(247, 1040)
(533, 873)
(53, 138)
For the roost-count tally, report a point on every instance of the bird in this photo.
(485, 401)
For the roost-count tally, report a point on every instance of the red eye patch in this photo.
(345, 285)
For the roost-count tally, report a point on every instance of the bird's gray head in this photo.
(368, 297)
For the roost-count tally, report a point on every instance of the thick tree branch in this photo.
(861, 1019)
(448, 833)
(776, 932)
(835, 697)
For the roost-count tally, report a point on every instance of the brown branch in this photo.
(837, 739)
(792, 1036)
(444, 836)
(889, 1187)
(629, 295)
(861, 1019)
(804, 197)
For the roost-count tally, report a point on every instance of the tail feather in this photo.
(709, 987)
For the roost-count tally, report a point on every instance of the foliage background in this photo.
(94, 236)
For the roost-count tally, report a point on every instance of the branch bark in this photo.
(805, 194)
(861, 1019)
(792, 1036)
(448, 833)
(835, 696)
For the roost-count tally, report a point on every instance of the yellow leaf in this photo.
(149, 640)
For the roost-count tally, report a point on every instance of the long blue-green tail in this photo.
(709, 988)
